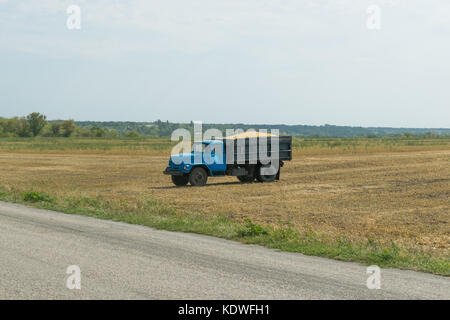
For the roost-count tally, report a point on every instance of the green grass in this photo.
(368, 144)
(45, 144)
(148, 144)
(155, 214)
(33, 196)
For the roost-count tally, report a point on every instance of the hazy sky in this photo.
(251, 61)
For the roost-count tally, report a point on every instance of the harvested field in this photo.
(361, 193)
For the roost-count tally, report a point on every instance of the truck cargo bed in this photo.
(242, 148)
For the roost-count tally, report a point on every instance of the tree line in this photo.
(165, 128)
(36, 124)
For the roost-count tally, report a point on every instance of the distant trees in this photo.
(15, 127)
(61, 128)
(23, 128)
(9, 127)
(132, 134)
(36, 122)
(31, 125)
(112, 133)
(55, 129)
(408, 134)
(67, 128)
(97, 132)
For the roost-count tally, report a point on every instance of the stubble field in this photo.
(362, 190)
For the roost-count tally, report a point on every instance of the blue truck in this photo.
(239, 157)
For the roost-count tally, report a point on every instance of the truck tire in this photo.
(180, 180)
(264, 178)
(246, 178)
(198, 177)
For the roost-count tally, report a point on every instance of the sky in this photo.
(229, 61)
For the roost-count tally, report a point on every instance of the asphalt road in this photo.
(122, 261)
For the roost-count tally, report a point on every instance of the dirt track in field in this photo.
(403, 196)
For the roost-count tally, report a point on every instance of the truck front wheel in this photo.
(180, 180)
(198, 177)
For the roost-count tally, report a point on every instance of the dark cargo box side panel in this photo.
(285, 148)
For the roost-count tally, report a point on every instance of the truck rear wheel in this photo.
(246, 178)
(198, 177)
(180, 180)
(264, 178)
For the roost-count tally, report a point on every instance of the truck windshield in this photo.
(199, 147)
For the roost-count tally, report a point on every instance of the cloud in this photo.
(110, 27)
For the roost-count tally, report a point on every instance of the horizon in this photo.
(257, 124)
(243, 123)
